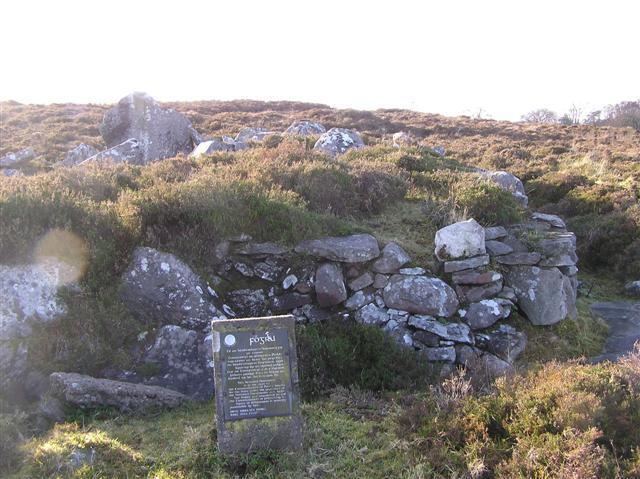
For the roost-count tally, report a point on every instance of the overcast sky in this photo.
(451, 57)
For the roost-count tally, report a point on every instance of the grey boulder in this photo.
(336, 141)
(393, 258)
(372, 315)
(14, 159)
(507, 343)
(305, 128)
(329, 285)
(546, 296)
(161, 133)
(159, 287)
(420, 295)
(458, 332)
(510, 183)
(463, 239)
(485, 313)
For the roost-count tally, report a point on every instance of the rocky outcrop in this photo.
(160, 133)
(86, 392)
(159, 288)
(337, 141)
(305, 128)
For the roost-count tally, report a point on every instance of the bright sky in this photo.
(451, 57)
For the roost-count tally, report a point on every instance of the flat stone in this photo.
(289, 301)
(458, 332)
(497, 248)
(426, 338)
(470, 263)
(421, 295)
(86, 392)
(463, 239)
(524, 259)
(446, 354)
(472, 294)
(417, 271)
(494, 233)
(475, 277)
(393, 257)
(553, 220)
(361, 282)
(346, 249)
(623, 319)
(261, 249)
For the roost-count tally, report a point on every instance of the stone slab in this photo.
(257, 384)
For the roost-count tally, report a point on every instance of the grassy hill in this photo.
(283, 191)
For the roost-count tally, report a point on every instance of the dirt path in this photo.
(623, 319)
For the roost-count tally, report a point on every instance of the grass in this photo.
(563, 420)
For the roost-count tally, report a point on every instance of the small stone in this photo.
(380, 281)
(485, 313)
(289, 281)
(553, 220)
(471, 294)
(358, 300)
(524, 259)
(361, 282)
(470, 263)
(458, 332)
(289, 301)
(497, 248)
(446, 354)
(475, 277)
(372, 314)
(412, 271)
(393, 257)
(494, 233)
(329, 285)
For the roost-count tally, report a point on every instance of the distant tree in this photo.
(542, 115)
(572, 117)
(626, 113)
(593, 118)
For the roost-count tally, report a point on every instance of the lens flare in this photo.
(65, 252)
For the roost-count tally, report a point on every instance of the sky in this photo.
(497, 58)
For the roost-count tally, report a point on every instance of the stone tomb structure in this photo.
(256, 384)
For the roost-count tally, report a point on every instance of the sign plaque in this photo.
(256, 381)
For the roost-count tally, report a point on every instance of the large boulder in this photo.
(305, 128)
(28, 297)
(336, 141)
(546, 296)
(128, 151)
(346, 249)
(393, 258)
(86, 392)
(510, 183)
(159, 287)
(463, 239)
(330, 288)
(178, 360)
(78, 154)
(420, 295)
(161, 133)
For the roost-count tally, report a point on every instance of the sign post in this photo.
(256, 381)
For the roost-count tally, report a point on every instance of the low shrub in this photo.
(344, 353)
(486, 202)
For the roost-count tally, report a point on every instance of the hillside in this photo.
(371, 407)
